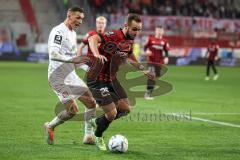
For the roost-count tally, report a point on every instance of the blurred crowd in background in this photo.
(202, 8)
(189, 24)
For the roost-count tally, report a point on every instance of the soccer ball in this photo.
(118, 143)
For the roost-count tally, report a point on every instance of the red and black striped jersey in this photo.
(213, 51)
(157, 47)
(85, 41)
(114, 44)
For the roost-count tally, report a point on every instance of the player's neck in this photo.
(158, 37)
(125, 33)
(66, 22)
(100, 31)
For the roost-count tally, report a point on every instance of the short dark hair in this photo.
(133, 17)
(76, 9)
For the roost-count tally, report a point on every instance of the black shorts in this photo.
(106, 92)
(155, 69)
(210, 62)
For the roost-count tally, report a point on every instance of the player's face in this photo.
(159, 32)
(101, 25)
(134, 29)
(76, 18)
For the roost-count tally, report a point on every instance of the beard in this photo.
(128, 36)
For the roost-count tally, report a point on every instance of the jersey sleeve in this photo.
(55, 44)
(166, 47)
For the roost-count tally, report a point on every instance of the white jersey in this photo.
(62, 44)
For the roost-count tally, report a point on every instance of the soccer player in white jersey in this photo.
(62, 48)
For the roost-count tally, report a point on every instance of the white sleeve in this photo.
(55, 44)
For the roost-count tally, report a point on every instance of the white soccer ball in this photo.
(118, 143)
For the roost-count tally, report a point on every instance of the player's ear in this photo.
(125, 25)
(69, 14)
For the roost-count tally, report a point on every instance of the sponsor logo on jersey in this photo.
(58, 39)
(157, 47)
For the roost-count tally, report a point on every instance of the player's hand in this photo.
(148, 52)
(80, 59)
(149, 75)
(216, 58)
(101, 58)
(166, 60)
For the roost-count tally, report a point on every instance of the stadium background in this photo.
(27, 101)
(189, 25)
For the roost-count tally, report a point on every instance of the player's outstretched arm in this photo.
(93, 44)
(134, 62)
(55, 56)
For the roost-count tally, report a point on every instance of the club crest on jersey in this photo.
(110, 33)
(58, 39)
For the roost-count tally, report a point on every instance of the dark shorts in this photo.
(210, 62)
(106, 92)
(155, 69)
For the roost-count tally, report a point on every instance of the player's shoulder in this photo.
(57, 34)
(151, 38)
(92, 32)
(59, 29)
(113, 35)
(164, 40)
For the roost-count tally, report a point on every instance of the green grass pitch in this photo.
(26, 102)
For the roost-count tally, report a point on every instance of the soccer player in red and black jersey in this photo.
(101, 23)
(115, 48)
(156, 49)
(212, 57)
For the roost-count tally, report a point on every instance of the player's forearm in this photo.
(55, 56)
(93, 44)
(136, 64)
(141, 68)
(133, 61)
